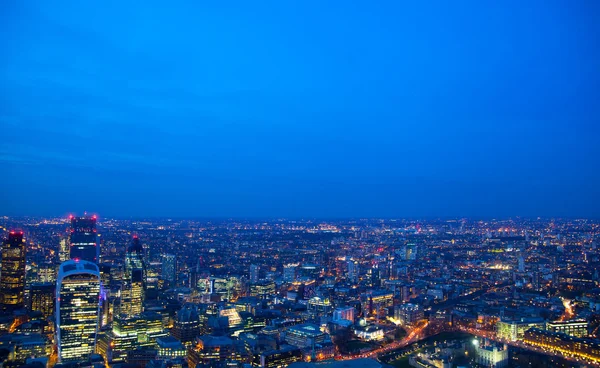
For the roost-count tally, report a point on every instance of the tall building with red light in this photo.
(83, 240)
(12, 272)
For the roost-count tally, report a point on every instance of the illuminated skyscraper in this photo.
(83, 240)
(12, 272)
(133, 289)
(77, 309)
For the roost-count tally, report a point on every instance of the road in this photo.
(417, 333)
(519, 344)
(413, 335)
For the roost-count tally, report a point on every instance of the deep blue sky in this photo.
(307, 108)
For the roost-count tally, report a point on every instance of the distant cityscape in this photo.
(84, 291)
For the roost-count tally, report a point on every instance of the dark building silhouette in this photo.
(187, 324)
(83, 240)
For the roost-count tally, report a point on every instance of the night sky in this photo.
(300, 109)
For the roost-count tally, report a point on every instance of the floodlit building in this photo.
(491, 354)
(587, 349)
(234, 320)
(577, 328)
(513, 330)
(369, 332)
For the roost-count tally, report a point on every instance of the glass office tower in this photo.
(77, 309)
(12, 272)
(134, 283)
(83, 240)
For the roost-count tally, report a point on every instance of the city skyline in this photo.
(300, 184)
(65, 218)
(301, 110)
(190, 293)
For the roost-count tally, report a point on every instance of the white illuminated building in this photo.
(490, 354)
(77, 309)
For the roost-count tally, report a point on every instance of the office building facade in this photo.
(134, 282)
(12, 272)
(169, 268)
(577, 328)
(42, 298)
(83, 240)
(77, 309)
